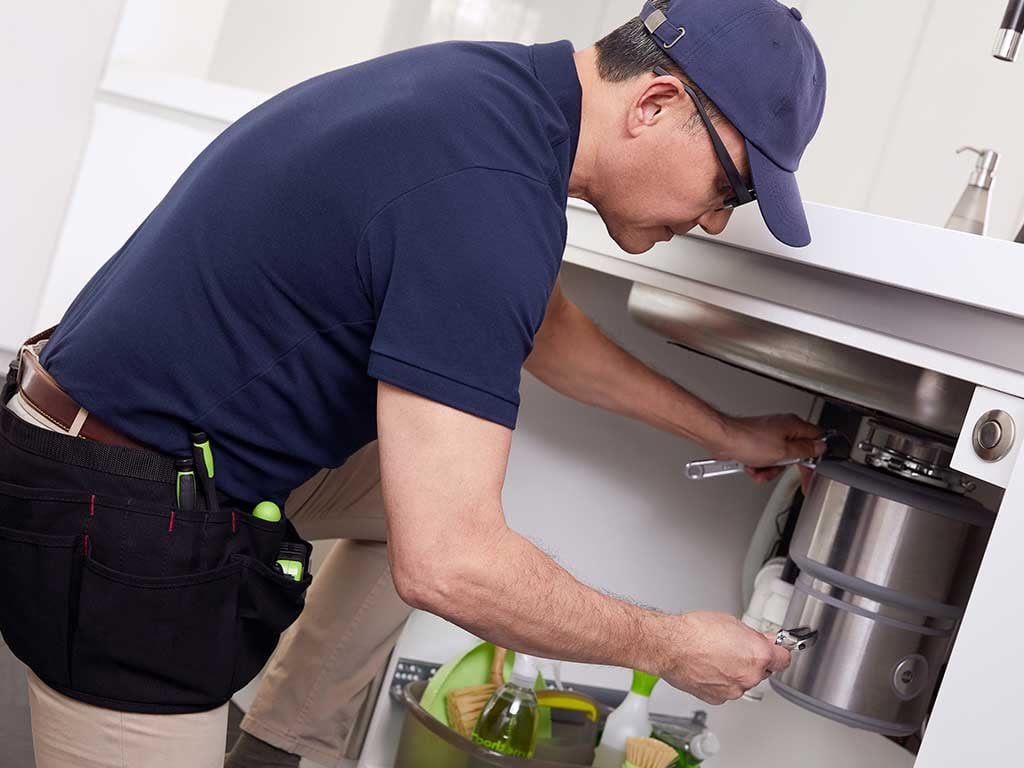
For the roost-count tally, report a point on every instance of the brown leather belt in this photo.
(39, 390)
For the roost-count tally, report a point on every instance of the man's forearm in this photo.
(574, 357)
(511, 593)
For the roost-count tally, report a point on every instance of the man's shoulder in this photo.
(466, 83)
(464, 61)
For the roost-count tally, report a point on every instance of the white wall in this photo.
(52, 56)
(266, 45)
(179, 37)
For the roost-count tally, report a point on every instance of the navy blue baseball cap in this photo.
(757, 61)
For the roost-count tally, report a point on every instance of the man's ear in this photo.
(650, 104)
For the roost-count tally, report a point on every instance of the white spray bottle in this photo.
(632, 718)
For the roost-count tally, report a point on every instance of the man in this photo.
(373, 255)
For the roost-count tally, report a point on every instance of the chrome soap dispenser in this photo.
(971, 213)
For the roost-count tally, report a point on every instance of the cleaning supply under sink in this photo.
(464, 705)
(474, 667)
(632, 718)
(508, 723)
(694, 743)
(648, 753)
(702, 747)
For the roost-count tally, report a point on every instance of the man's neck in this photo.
(581, 180)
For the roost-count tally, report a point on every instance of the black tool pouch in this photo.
(102, 597)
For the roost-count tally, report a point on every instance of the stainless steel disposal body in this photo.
(887, 566)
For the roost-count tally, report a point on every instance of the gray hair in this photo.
(630, 51)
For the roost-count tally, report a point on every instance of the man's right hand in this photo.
(716, 657)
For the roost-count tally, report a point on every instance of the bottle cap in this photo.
(705, 745)
(643, 683)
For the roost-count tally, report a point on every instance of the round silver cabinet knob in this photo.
(989, 435)
(994, 435)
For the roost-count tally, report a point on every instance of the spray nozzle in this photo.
(526, 669)
(984, 167)
(643, 683)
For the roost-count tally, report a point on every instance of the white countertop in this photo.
(979, 271)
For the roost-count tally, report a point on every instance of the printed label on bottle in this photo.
(501, 746)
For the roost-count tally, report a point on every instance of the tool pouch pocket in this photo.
(268, 603)
(39, 572)
(178, 644)
(163, 641)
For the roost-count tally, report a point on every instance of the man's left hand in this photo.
(760, 441)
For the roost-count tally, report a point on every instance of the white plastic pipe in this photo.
(765, 533)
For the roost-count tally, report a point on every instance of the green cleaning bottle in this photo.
(509, 721)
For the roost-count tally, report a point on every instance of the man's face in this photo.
(663, 175)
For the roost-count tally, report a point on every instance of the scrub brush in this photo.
(648, 753)
(464, 705)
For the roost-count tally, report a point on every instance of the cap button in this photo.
(796, 14)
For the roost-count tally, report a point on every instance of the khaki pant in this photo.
(71, 734)
(317, 687)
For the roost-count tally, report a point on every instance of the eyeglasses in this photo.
(741, 193)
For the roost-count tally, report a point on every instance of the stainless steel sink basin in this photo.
(925, 398)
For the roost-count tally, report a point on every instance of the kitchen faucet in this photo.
(1008, 40)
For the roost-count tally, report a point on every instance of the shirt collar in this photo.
(556, 70)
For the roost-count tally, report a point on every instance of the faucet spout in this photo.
(1008, 40)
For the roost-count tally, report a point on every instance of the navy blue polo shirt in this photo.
(400, 220)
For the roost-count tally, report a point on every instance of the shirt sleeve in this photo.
(460, 272)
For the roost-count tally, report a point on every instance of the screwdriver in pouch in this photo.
(185, 485)
(202, 456)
